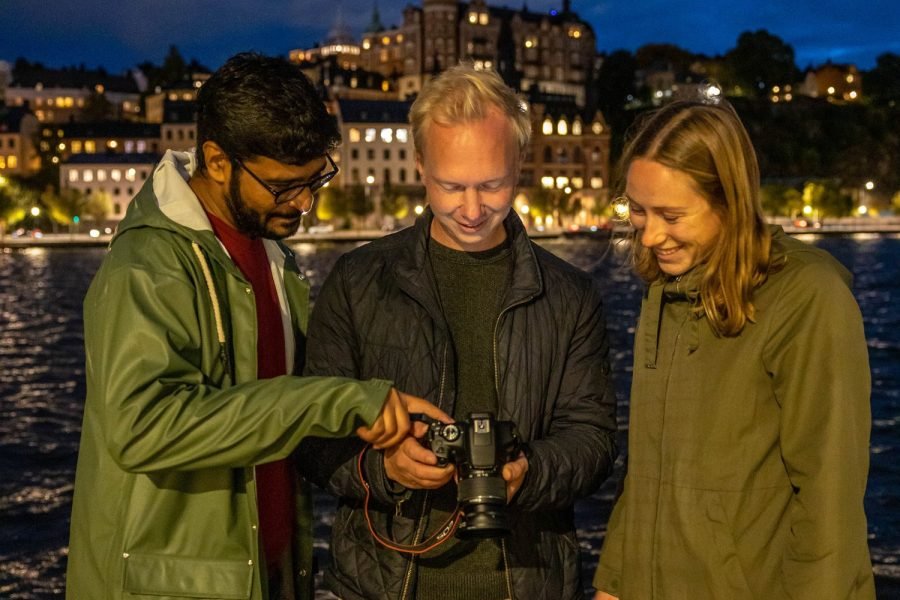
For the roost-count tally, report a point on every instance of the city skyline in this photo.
(119, 36)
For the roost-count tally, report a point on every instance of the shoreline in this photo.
(850, 226)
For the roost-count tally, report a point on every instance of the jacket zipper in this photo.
(420, 525)
(506, 574)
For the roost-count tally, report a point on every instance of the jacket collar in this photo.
(413, 269)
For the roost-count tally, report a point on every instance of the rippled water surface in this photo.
(42, 392)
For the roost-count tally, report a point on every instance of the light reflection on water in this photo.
(42, 390)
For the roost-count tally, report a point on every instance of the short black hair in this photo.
(256, 105)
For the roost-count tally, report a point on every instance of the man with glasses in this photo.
(194, 331)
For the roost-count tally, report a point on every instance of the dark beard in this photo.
(246, 221)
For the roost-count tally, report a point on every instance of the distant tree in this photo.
(65, 205)
(615, 82)
(174, 67)
(393, 203)
(759, 61)
(331, 203)
(359, 204)
(781, 200)
(882, 83)
(99, 207)
(12, 208)
(667, 56)
(827, 199)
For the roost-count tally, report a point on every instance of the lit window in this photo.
(141, 146)
(129, 146)
(385, 86)
(402, 135)
(12, 161)
(562, 128)
(578, 182)
(562, 182)
(547, 128)
(76, 146)
(90, 146)
(849, 78)
(547, 182)
(354, 134)
(576, 127)
(130, 174)
(473, 17)
(370, 134)
(366, 44)
(70, 102)
(101, 174)
(73, 175)
(597, 128)
(113, 144)
(387, 135)
(116, 175)
(596, 182)
(88, 176)
(483, 18)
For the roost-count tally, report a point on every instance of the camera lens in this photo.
(484, 507)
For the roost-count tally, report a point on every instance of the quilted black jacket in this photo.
(378, 315)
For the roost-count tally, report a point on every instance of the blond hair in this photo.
(463, 94)
(708, 143)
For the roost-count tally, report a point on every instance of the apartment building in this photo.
(120, 176)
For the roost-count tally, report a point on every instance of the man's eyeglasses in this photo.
(285, 195)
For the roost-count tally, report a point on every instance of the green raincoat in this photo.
(175, 419)
(747, 455)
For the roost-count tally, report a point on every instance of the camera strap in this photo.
(443, 533)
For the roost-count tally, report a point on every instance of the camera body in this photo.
(479, 447)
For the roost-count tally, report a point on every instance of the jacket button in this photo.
(250, 562)
(248, 290)
(124, 555)
(302, 572)
(253, 527)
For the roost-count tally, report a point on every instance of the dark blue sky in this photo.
(119, 34)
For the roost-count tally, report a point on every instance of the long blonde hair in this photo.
(708, 143)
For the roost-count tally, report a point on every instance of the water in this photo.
(42, 390)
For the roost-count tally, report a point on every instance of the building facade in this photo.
(18, 130)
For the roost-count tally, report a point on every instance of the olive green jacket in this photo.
(747, 455)
(175, 418)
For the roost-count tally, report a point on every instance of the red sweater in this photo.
(275, 494)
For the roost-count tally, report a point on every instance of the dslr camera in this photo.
(479, 447)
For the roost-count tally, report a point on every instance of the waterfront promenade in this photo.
(841, 226)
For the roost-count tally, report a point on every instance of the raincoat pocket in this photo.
(179, 577)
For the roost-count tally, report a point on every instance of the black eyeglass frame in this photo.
(285, 195)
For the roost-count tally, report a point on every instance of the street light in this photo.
(870, 185)
(35, 211)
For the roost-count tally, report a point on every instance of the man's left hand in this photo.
(514, 474)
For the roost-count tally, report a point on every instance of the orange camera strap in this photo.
(443, 533)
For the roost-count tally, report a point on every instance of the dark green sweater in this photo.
(471, 287)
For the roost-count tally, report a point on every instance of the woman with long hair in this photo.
(749, 419)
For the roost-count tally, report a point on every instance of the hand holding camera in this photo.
(484, 452)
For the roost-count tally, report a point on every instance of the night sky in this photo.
(119, 34)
